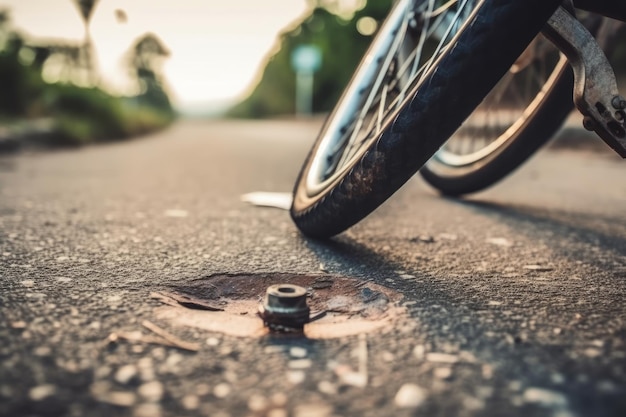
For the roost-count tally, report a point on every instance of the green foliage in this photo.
(79, 115)
(87, 115)
(342, 47)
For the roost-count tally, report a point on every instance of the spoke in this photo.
(440, 46)
(348, 153)
(441, 9)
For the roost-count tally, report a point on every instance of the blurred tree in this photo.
(145, 60)
(342, 45)
(86, 9)
(20, 84)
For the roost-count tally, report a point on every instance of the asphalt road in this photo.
(514, 298)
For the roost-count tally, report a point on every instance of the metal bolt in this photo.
(284, 308)
(619, 103)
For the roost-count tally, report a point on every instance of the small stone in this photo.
(41, 392)
(298, 352)
(422, 239)
(213, 341)
(296, 377)
(441, 358)
(18, 324)
(151, 391)
(222, 390)
(538, 268)
(500, 241)
(176, 213)
(442, 373)
(125, 374)
(42, 351)
(277, 412)
(63, 280)
(410, 396)
(148, 410)
(592, 352)
(313, 410)
(354, 379)
(544, 397)
(419, 351)
(257, 403)
(326, 387)
(120, 398)
(28, 283)
(190, 402)
(300, 364)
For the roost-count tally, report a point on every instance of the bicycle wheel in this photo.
(523, 111)
(430, 65)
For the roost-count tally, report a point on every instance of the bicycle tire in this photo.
(457, 179)
(496, 33)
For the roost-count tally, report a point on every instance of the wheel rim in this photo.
(508, 108)
(414, 37)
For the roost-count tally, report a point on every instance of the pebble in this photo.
(538, 268)
(500, 241)
(42, 351)
(544, 397)
(176, 213)
(355, 379)
(300, 364)
(277, 412)
(147, 410)
(257, 403)
(298, 352)
(125, 374)
(28, 283)
(419, 351)
(151, 391)
(441, 357)
(313, 410)
(442, 373)
(296, 377)
(190, 402)
(410, 396)
(41, 392)
(326, 387)
(213, 341)
(221, 390)
(119, 398)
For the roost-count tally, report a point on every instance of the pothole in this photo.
(229, 304)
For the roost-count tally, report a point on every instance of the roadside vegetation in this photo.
(74, 109)
(342, 37)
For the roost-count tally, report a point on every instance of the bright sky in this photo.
(217, 45)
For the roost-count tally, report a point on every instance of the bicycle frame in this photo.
(595, 90)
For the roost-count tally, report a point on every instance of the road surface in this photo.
(514, 300)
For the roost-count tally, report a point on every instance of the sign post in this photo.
(305, 60)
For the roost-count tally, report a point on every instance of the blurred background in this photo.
(80, 71)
